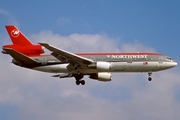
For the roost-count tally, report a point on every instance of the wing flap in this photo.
(66, 75)
(19, 56)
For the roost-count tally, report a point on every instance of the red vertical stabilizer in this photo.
(17, 37)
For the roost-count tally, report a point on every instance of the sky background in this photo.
(92, 26)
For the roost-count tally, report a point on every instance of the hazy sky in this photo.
(92, 26)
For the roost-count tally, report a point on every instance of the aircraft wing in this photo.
(68, 57)
(19, 56)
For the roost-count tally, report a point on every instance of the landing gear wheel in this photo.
(150, 78)
(78, 78)
(77, 82)
(82, 82)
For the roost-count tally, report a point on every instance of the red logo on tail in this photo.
(15, 33)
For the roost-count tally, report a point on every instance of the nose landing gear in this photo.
(149, 76)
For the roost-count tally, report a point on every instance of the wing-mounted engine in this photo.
(102, 66)
(101, 76)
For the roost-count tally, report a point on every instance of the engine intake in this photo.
(102, 76)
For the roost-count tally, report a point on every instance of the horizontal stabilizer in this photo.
(19, 56)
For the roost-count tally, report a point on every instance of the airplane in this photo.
(64, 64)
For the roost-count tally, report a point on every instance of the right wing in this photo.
(19, 56)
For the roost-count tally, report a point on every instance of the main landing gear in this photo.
(149, 76)
(78, 82)
(78, 78)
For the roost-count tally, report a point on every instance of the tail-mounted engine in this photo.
(26, 50)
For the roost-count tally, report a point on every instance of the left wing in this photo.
(68, 57)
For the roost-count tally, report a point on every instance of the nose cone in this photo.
(168, 65)
(172, 64)
(175, 63)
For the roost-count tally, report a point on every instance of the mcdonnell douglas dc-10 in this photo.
(98, 66)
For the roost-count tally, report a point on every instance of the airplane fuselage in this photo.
(118, 62)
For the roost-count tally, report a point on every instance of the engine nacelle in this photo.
(103, 66)
(102, 76)
(27, 50)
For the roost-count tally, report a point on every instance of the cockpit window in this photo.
(168, 58)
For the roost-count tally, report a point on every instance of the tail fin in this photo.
(17, 37)
(21, 43)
